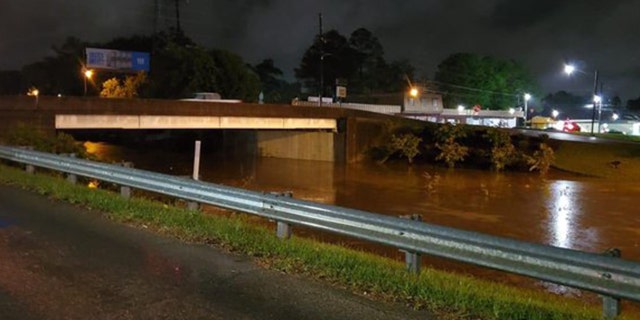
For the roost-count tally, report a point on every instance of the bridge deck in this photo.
(76, 121)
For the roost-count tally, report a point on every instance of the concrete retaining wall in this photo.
(297, 145)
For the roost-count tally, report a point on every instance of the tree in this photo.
(360, 61)
(451, 150)
(270, 79)
(471, 79)
(61, 73)
(633, 104)
(616, 102)
(179, 67)
(369, 60)
(393, 76)
(274, 88)
(337, 57)
(135, 43)
(114, 88)
(234, 78)
(373, 73)
(562, 100)
(269, 74)
(177, 71)
(11, 83)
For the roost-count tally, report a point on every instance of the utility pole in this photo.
(156, 15)
(321, 62)
(156, 18)
(177, 16)
(600, 107)
(595, 102)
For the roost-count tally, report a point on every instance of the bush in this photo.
(407, 144)
(450, 150)
(503, 153)
(27, 136)
(542, 159)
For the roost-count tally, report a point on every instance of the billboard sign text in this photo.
(116, 60)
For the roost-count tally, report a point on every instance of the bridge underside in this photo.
(72, 121)
(293, 138)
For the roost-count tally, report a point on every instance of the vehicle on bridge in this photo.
(210, 97)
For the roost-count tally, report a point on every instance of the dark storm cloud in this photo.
(29, 28)
(542, 34)
(523, 13)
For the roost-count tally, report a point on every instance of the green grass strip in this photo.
(451, 296)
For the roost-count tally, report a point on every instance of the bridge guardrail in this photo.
(612, 277)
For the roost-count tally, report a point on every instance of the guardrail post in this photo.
(283, 229)
(125, 191)
(193, 206)
(29, 168)
(412, 259)
(611, 305)
(71, 178)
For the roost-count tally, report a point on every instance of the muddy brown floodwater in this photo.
(559, 209)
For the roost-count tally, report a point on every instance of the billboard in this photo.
(116, 60)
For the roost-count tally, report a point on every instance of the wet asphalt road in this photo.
(58, 261)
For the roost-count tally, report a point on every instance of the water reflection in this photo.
(568, 225)
(563, 213)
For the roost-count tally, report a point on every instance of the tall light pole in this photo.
(321, 34)
(527, 97)
(34, 93)
(569, 69)
(88, 74)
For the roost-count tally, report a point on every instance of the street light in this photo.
(569, 69)
(34, 92)
(527, 97)
(413, 92)
(88, 74)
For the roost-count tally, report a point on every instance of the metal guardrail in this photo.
(612, 277)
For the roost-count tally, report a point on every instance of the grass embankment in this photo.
(450, 296)
(606, 160)
(612, 136)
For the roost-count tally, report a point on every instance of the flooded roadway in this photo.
(560, 209)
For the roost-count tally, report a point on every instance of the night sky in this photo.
(542, 34)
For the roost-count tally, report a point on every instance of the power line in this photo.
(473, 89)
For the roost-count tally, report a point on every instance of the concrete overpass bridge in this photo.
(299, 132)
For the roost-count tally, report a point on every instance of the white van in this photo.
(210, 97)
